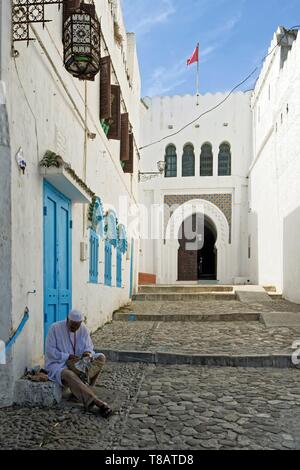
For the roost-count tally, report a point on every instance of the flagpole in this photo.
(198, 78)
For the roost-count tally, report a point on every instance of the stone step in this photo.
(253, 297)
(180, 289)
(185, 317)
(42, 394)
(275, 296)
(270, 289)
(176, 297)
(281, 320)
(211, 360)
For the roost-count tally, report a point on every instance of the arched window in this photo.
(224, 160)
(206, 160)
(188, 161)
(171, 162)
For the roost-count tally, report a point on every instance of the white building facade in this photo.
(255, 199)
(206, 174)
(274, 219)
(66, 183)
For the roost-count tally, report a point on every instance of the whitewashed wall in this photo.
(5, 250)
(232, 122)
(42, 117)
(275, 173)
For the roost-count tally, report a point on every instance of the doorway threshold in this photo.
(206, 282)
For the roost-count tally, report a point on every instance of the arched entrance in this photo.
(217, 228)
(199, 263)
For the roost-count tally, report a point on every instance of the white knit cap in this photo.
(75, 315)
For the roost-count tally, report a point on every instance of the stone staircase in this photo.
(201, 292)
(197, 303)
(177, 293)
(190, 324)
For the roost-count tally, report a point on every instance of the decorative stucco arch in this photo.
(171, 246)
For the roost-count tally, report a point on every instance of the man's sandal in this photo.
(105, 411)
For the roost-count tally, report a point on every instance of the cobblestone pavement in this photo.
(168, 408)
(162, 407)
(208, 307)
(68, 426)
(196, 338)
(199, 408)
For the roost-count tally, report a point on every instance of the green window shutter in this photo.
(105, 88)
(124, 147)
(115, 126)
(129, 164)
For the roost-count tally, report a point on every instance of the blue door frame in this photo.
(57, 256)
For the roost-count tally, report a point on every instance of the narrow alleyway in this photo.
(167, 215)
(173, 405)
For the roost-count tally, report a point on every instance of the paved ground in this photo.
(170, 407)
(196, 338)
(178, 407)
(208, 307)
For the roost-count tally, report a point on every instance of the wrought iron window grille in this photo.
(26, 12)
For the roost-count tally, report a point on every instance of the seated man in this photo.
(68, 340)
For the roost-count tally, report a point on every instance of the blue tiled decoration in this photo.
(222, 201)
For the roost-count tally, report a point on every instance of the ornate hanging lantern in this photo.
(81, 37)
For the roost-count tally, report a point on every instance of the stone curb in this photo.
(44, 394)
(175, 289)
(253, 316)
(212, 360)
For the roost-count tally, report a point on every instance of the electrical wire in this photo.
(285, 31)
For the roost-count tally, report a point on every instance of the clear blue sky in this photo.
(234, 35)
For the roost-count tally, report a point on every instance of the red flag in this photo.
(194, 57)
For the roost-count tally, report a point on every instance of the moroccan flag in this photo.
(194, 57)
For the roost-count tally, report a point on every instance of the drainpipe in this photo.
(1, 29)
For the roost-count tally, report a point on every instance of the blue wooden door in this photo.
(57, 257)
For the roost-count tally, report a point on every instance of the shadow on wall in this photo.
(291, 256)
(253, 248)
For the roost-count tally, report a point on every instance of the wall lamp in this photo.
(148, 175)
